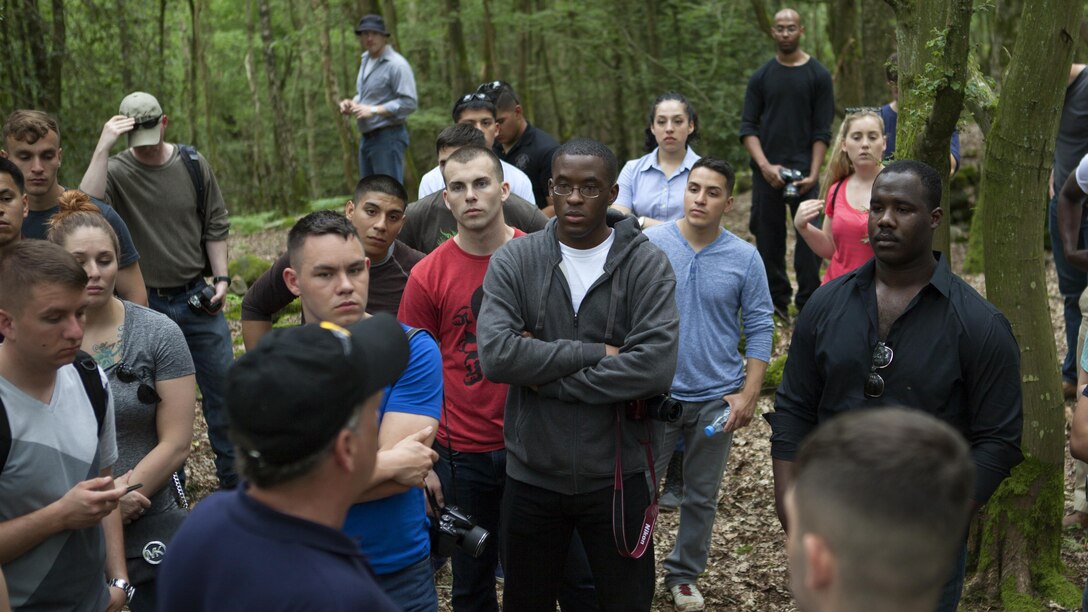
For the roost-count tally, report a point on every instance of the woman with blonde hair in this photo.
(855, 162)
(153, 387)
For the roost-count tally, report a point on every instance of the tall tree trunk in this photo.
(933, 44)
(259, 164)
(194, 58)
(1021, 528)
(491, 63)
(126, 45)
(161, 84)
(843, 31)
(57, 55)
(877, 43)
(458, 56)
(283, 132)
(332, 93)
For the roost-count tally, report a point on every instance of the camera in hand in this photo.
(453, 529)
(790, 176)
(658, 407)
(201, 303)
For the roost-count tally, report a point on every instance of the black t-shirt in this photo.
(789, 108)
(532, 154)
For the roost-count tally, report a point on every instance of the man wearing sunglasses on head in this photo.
(903, 330)
(520, 142)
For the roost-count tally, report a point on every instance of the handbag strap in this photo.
(179, 491)
(649, 519)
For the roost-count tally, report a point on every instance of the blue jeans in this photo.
(950, 592)
(411, 588)
(1071, 283)
(382, 152)
(209, 343)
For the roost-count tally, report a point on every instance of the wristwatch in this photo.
(642, 222)
(121, 583)
(220, 279)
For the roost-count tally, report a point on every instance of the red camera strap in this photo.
(649, 520)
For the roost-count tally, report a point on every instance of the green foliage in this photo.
(333, 203)
(232, 309)
(248, 267)
(773, 378)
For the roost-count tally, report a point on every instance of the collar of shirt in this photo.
(941, 280)
(381, 58)
(275, 525)
(690, 157)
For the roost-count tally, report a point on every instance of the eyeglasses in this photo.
(145, 392)
(882, 358)
(341, 334)
(143, 124)
(566, 190)
(853, 110)
(469, 97)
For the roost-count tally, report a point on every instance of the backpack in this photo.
(87, 369)
(192, 164)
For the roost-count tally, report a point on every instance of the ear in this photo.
(344, 451)
(290, 278)
(7, 323)
(729, 204)
(60, 155)
(518, 111)
(4, 153)
(935, 217)
(446, 198)
(26, 205)
(349, 208)
(821, 563)
(164, 120)
(613, 193)
(505, 190)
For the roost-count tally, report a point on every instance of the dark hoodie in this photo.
(562, 436)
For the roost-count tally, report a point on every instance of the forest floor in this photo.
(747, 569)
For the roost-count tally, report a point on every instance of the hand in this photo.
(87, 503)
(133, 506)
(220, 292)
(741, 409)
(114, 128)
(434, 485)
(363, 111)
(807, 212)
(611, 351)
(118, 599)
(806, 184)
(347, 107)
(411, 460)
(771, 175)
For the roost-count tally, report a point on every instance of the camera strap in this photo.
(649, 520)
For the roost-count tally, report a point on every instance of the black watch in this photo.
(121, 583)
(217, 279)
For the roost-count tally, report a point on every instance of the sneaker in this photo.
(686, 597)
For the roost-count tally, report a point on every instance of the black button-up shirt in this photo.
(532, 154)
(954, 357)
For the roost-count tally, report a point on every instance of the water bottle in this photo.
(719, 423)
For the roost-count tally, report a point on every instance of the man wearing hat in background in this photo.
(385, 96)
(303, 407)
(150, 186)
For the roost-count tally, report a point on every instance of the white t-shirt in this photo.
(519, 183)
(1082, 175)
(583, 267)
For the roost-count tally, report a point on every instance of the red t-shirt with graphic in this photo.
(443, 296)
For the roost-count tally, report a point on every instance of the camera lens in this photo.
(474, 540)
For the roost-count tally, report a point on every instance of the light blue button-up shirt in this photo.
(390, 84)
(646, 190)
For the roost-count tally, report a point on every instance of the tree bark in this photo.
(194, 45)
(843, 31)
(332, 93)
(933, 43)
(1019, 560)
(491, 62)
(458, 56)
(877, 43)
(283, 132)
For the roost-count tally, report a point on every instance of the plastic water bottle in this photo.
(718, 425)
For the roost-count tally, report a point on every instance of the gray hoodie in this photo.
(562, 436)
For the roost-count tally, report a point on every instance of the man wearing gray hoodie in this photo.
(578, 319)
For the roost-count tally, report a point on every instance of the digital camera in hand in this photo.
(658, 407)
(791, 176)
(454, 529)
(201, 303)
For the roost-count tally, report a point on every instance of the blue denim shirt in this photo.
(646, 190)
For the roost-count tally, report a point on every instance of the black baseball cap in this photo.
(290, 395)
(371, 23)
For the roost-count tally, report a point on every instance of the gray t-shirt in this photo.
(55, 446)
(1072, 142)
(153, 348)
(158, 203)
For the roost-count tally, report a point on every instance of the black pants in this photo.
(768, 224)
(537, 527)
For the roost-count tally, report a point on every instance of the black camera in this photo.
(790, 176)
(201, 303)
(659, 408)
(453, 529)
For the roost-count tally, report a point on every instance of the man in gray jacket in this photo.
(579, 319)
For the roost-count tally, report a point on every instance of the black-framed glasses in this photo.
(143, 124)
(145, 392)
(565, 190)
(469, 97)
(882, 358)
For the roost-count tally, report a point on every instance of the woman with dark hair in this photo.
(652, 186)
(153, 386)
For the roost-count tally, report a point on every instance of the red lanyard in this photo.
(646, 532)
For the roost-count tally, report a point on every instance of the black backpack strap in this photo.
(5, 437)
(192, 164)
(87, 368)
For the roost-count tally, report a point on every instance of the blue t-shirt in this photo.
(891, 117)
(393, 531)
(36, 225)
(716, 289)
(235, 553)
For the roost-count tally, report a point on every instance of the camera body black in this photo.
(201, 303)
(453, 529)
(790, 176)
(658, 407)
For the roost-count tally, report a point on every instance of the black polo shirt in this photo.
(954, 357)
(532, 154)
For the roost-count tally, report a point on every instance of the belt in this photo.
(172, 291)
(384, 127)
